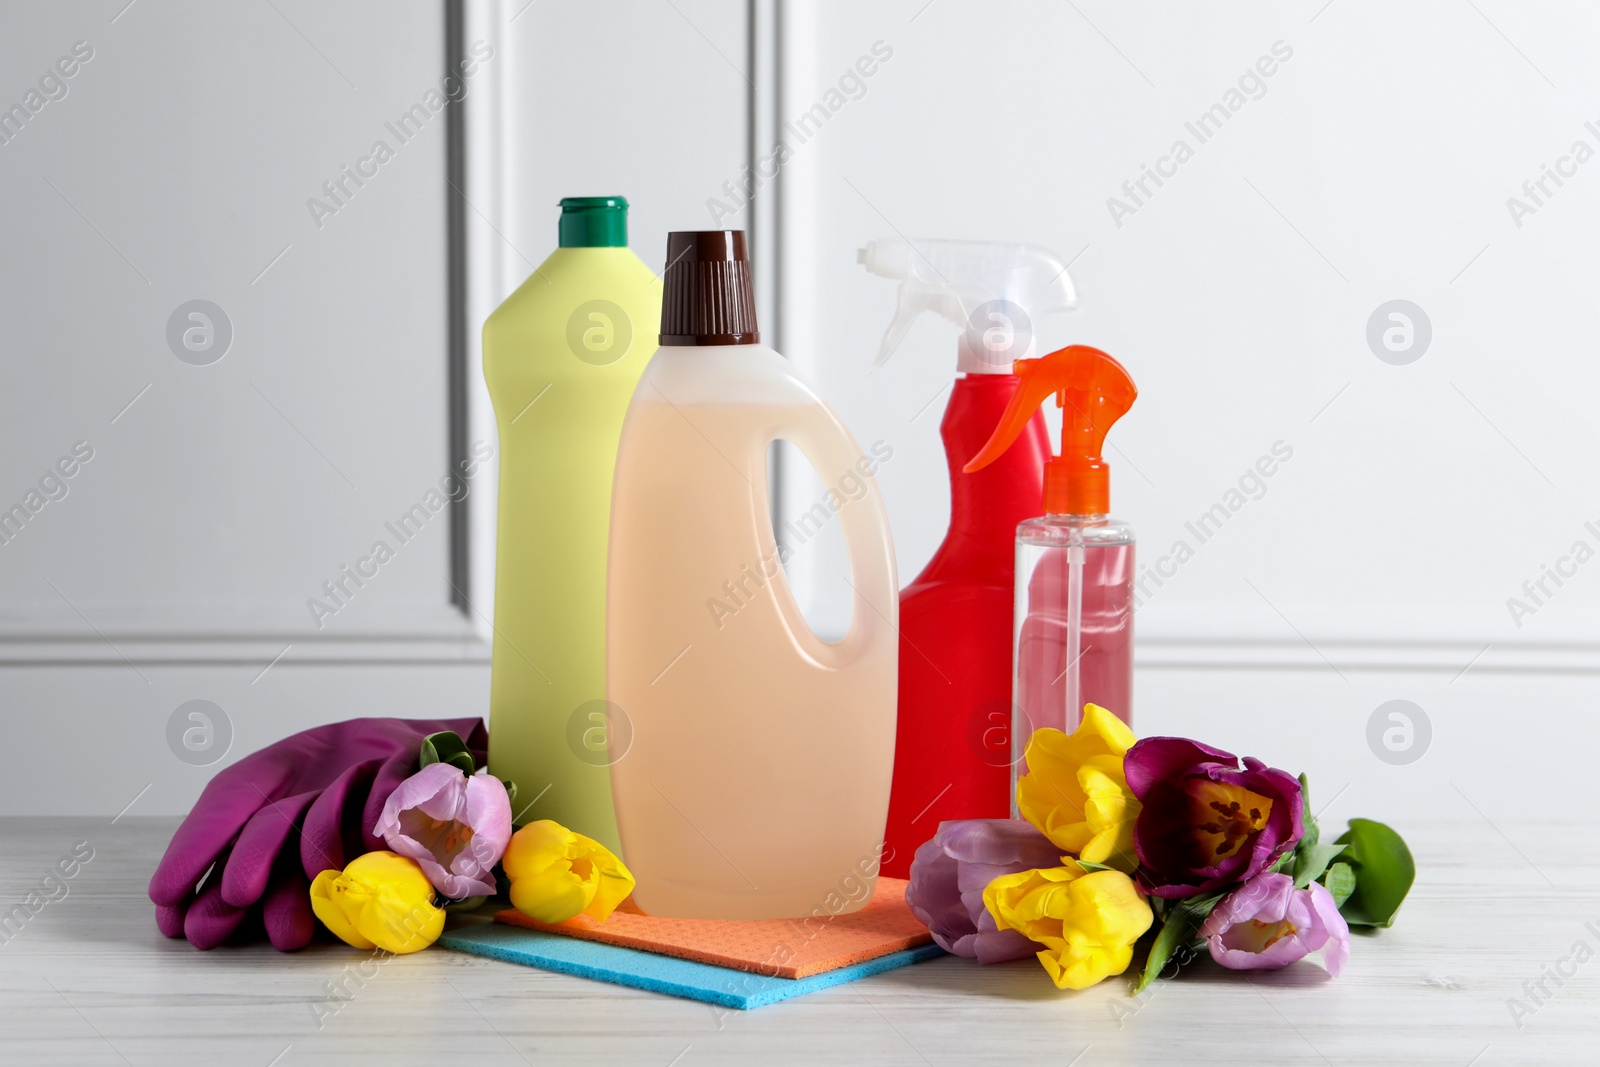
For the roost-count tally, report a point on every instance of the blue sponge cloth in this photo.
(660, 974)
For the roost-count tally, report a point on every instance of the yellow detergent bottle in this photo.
(561, 357)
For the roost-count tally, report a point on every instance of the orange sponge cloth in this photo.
(780, 948)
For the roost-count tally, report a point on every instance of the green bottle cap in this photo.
(594, 222)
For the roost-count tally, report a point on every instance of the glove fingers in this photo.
(169, 918)
(210, 919)
(355, 802)
(286, 909)
(228, 802)
(395, 769)
(250, 865)
(322, 833)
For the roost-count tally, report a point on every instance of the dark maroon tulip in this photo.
(1207, 820)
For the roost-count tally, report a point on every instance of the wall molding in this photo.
(1451, 660)
(263, 652)
(1448, 661)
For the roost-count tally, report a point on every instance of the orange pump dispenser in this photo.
(1093, 391)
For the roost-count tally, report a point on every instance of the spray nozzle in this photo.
(1093, 391)
(990, 290)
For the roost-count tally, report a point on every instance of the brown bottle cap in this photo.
(708, 298)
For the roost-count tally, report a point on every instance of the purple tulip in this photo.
(1267, 923)
(951, 871)
(454, 826)
(1206, 821)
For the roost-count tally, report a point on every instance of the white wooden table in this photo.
(89, 980)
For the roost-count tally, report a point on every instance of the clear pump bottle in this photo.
(1073, 617)
(1073, 622)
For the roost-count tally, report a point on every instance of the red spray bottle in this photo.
(953, 746)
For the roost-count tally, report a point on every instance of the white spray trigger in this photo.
(991, 291)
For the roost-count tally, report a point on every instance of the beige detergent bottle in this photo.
(756, 780)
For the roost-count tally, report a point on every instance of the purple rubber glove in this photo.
(267, 825)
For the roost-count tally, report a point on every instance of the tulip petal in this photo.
(1087, 923)
(1155, 759)
(380, 900)
(455, 827)
(553, 895)
(953, 868)
(556, 874)
(1267, 923)
(1075, 791)
(488, 812)
(1336, 949)
(328, 907)
(420, 788)
(1205, 820)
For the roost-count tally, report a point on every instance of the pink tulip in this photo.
(455, 827)
(1268, 923)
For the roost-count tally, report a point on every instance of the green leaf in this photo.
(1311, 861)
(1091, 867)
(1310, 835)
(1176, 933)
(1309, 857)
(1384, 872)
(447, 747)
(1340, 881)
(511, 792)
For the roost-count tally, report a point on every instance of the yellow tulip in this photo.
(1075, 792)
(1087, 922)
(381, 900)
(556, 874)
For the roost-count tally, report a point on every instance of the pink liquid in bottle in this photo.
(1074, 617)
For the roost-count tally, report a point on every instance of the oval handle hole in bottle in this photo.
(806, 522)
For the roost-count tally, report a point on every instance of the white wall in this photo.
(1375, 166)
(220, 497)
(178, 166)
(1417, 501)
